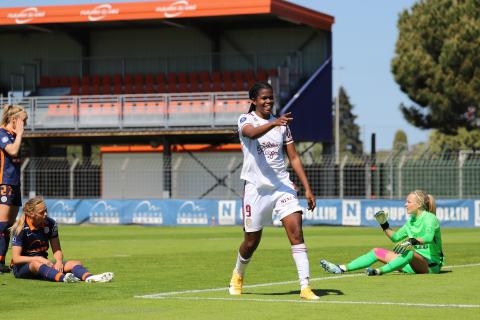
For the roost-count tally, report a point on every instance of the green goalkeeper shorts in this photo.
(432, 268)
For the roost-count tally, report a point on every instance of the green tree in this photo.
(349, 130)
(400, 142)
(437, 63)
(464, 140)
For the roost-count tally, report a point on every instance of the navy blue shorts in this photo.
(10, 195)
(23, 271)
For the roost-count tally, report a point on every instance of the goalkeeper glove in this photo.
(382, 218)
(405, 246)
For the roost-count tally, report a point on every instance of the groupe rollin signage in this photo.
(170, 212)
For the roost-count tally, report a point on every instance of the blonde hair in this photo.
(28, 210)
(12, 111)
(425, 201)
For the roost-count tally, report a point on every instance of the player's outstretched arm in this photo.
(256, 132)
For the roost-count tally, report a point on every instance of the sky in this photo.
(364, 37)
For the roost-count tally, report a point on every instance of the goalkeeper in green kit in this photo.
(418, 246)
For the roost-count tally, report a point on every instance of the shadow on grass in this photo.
(318, 292)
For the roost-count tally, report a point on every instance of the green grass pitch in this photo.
(187, 270)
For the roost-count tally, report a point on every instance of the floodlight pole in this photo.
(337, 120)
(337, 128)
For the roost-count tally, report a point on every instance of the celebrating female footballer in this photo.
(268, 188)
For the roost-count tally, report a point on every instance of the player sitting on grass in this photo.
(32, 234)
(419, 247)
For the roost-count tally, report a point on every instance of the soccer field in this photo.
(183, 273)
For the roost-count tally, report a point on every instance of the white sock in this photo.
(299, 252)
(241, 265)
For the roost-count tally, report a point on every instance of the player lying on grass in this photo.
(32, 233)
(419, 242)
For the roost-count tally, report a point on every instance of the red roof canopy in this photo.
(140, 10)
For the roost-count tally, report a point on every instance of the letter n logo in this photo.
(226, 212)
(477, 213)
(351, 213)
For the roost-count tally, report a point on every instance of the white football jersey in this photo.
(263, 158)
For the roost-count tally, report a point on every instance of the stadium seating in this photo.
(182, 82)
(61, 110)
(144, 108)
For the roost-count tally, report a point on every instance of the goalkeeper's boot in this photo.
(70, 278)
(307, 294)
(236, 284)
(330, 267)
(372, 272)
(102, 277)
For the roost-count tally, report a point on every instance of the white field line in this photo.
(403, 304)
(172, 293)
(165, 294)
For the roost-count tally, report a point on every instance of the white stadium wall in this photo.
(193, 175)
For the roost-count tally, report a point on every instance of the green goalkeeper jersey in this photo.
(427, 227)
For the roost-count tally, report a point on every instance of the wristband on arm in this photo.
(413, 241)
(382, 218)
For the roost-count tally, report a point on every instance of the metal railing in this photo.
(204, 175)
(137, 110)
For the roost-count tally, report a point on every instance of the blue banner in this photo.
(451, 213)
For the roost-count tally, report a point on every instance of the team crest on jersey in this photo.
(46, 229)
(242, 119)
(248, 222)
(3, 199)
(5, 139)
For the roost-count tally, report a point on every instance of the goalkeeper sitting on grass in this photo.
(419, 243)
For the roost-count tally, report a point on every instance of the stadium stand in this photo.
(181, 82)
(176, 80)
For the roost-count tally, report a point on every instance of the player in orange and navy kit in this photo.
(33, 232)
(11, 132)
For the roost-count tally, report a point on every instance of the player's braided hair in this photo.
(425, 201)
(11, 111)
(28, 210)
(254, 90)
